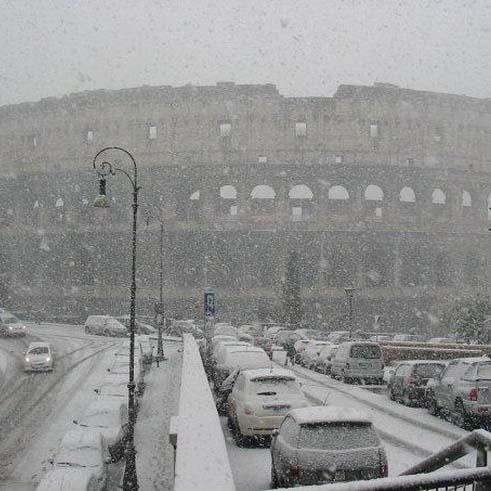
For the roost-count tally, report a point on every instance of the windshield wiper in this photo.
(266, 393)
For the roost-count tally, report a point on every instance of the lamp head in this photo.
(102, 201)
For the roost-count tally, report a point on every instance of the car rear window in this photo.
(369, 351)
(428, 370)
(273, 386)
(338, 436)
(39, 350)
(484, 371)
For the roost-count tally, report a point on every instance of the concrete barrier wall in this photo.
(201, 455)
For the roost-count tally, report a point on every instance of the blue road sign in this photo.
(209, 304)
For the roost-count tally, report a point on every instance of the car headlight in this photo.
(10, 328)
(28, 359)
(48, 358)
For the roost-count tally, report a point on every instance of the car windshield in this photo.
(274, 386)
(337, 436)
(484, 371)
(9, 320)
(39, 350)
(369, 351)
(428, 370)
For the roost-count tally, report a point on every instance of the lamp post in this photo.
(105, 168)
(349, 294)
(159, 308)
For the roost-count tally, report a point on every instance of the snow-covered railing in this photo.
(201, 455)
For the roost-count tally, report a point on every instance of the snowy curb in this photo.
(81, 460)
(201, 455)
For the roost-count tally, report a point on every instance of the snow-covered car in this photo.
(260, 400)
(105, 325)
(318, 445)
(285, 337)
(38, 358)
(221, 349)
(338, 337)
(380, 338)
(389, 371)
(299, 346)
(141, 327)
(225, 330)
(308, 357)
(10, 325)
(274, 330)
(408, 383)
(110, 417)
(81, 449)
(323, 363)
(240, 357)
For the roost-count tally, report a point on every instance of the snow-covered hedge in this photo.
(201, 456)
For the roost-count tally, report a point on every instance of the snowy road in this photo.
(408, 434)
(36, 409)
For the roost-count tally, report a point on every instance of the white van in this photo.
(361, 360)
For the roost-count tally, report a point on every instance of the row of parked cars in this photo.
(265, 402)
(459, 389)
(107, 325)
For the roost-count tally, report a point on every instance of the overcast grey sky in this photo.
(305, 47)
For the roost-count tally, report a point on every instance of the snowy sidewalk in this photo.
(155, 455)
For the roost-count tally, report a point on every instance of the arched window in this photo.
(263, 191)
(228, 192)
(438, 197)
(300, 191)
(194, 196)
(407, 195)
(338, 193)
(373, 193)
(466, 198)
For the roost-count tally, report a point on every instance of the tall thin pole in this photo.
(160, 346)
(130, 480)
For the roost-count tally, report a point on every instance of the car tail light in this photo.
(473, 393)
(248, 410)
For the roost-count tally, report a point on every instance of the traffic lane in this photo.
(44, 411)
(251, 466)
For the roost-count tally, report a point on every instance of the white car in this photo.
(221, 349)
(105, 325)
(326, 354)
(38, 357)
(110, 417)
(81, 449)
(140, 327)
(260, 399)
(308, 357)
(240, 357)
(11, 325)
(224, 330)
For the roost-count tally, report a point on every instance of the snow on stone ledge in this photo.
(201, 456)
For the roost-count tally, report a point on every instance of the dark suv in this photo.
(408, 383)
(462, 392)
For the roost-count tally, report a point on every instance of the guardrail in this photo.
(201, 459)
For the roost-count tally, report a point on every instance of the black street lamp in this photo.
(105, 168)
(350, 293)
